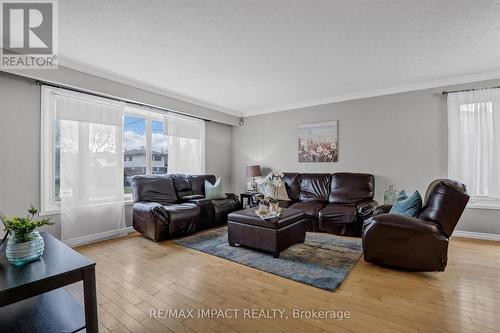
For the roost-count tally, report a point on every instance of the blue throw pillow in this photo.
(214, 191)
(408, 206)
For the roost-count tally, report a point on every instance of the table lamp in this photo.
(252, 172)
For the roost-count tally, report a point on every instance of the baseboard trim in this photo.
(476, 235)
(98, 237)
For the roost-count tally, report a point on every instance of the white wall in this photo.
(218, 150)
(400, 138)
(20, 148)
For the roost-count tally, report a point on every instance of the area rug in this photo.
(322, 261)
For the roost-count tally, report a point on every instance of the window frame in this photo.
(149, 117)
(48, 204)
(479, 202)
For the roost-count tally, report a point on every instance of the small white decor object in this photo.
(268, 214)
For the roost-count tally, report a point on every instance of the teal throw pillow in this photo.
(214, 191)
(408, 206)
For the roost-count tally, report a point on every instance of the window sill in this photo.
(479, 205)
(49, 212)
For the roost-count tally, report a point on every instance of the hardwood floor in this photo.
(136, 275)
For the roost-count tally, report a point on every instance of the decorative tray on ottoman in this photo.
(267, 214)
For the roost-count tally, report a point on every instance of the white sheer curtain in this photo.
(91, 162)
(186, 144)
(474, 141)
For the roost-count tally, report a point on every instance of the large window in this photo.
(154, 142)
(145, 145)
(159, 146)
(474, 144)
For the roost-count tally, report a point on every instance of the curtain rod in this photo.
(55, 85)
(464, 90)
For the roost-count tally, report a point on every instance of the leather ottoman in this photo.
(245, 228)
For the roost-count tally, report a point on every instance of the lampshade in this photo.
(254, 171)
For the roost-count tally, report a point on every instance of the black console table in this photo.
(33, 298)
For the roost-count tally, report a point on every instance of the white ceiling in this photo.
(251, 57)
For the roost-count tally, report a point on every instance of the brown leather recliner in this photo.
(173, 205)
(419, 243)
(337, 203)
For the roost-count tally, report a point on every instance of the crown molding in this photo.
(380, 92)
(303, 104)
(108, 75)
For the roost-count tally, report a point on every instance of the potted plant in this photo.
(24, 244)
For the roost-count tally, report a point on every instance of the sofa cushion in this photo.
(154, 188)
(214, 191)
(182, 184)
(351, 187)
(314, 186)
(198, 183)
(336, 213)
(183, 218)
(222, 207)
(206, 212)
(310, 208)
(292, 184)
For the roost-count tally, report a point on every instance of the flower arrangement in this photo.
(274, 180)
(324, 150)
(22, 227)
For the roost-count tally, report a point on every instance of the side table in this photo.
(248, 195)
(33, 298)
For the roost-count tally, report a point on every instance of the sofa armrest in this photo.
(192, 197)
(151, 211)
(199, 201)
(382, 209)
(366, 209)
(233, 197)
(395, 225)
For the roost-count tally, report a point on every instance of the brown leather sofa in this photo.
(173, 205)
(337, 203)
(419, 243)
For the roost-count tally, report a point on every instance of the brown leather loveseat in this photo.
(416, 243)
(173, 205)
(337, 203)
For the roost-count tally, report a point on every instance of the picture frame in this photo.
(318, 142)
